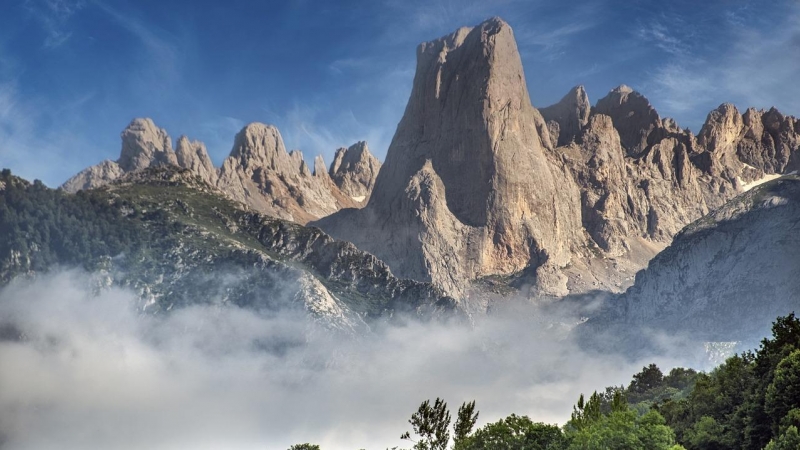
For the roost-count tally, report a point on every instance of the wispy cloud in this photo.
(758, 67)
(665, 38)
(36, 151)
(53, 16)
(163, 66)
(340, 66)
(549, 43)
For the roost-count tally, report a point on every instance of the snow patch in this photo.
(768, 177)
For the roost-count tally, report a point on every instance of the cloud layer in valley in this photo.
(91, 371)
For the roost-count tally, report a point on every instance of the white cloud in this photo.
(92, 372)
(53, 16)
(757, 68)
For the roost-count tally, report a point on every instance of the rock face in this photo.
(636, 196)
(571, 114)
(477, 182)
(94, 176)
(725, 277)
(145, 145)
(633, 116)
(470, 186)
(259, 172)
(193, 155)
(354, 170)
(766, 140)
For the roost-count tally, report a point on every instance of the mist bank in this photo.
(84, 367)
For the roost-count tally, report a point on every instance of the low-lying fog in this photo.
(91, 371)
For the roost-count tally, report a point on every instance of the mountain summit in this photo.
(477, 182)
(468, 187)
(259, 171)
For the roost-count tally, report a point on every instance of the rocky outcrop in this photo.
(571, 114)
(470, 186)
(724, 278)
(193, 155)
(599, 167)
(354, 170)
(450, 206)
(143, 145)
(259, 171)
(634, 199)
(94, 176)
(262, 174)
(769, 141)
(633, 116)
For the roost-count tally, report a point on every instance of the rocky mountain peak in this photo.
(259, 171)
(193, 155)
(259, 145)
(354, 170)
(320, 169)
(571, 114)
(144, 145)
(622, 90)
(468, 187)
(721, 128)
(633, 115)
(769, 141)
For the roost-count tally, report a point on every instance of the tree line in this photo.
(750, 402)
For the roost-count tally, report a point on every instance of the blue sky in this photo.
(73, 73)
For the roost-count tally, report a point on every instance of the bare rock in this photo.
(145, 145)
(193, 155)
(770, 141)
(571, 114)
(633, 117)
(598, 165)
(470, 186)
(94, 176)
(725, 277)
(260, 173)
(354, 170)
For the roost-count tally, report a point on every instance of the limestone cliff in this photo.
(354, 170)
(571, 114)
(259, 171)
(712, 281)
(633, 117)
(193, 155)
(470, 186)
(262, 174)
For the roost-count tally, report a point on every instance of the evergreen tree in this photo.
(431, 424)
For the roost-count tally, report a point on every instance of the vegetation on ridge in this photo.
(750, 402)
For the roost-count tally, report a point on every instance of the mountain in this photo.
(478, 183)
(177, 240)
(481, 194)
(723, 278)
(470, 186)
(354, 170)
(259, 171)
